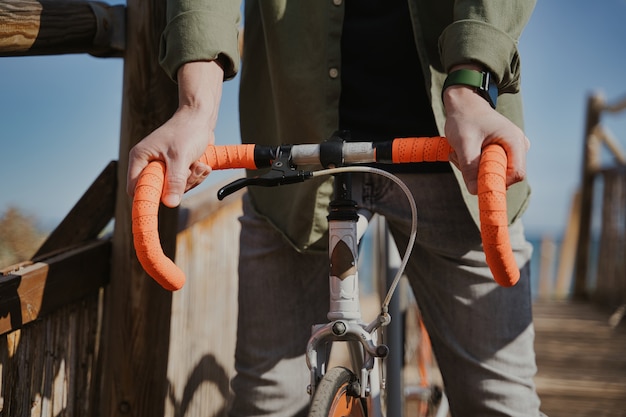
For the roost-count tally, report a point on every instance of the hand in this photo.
(471, 124)
(181, 140)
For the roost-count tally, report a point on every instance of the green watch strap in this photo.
(480, 80)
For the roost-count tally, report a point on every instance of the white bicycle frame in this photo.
(346, 322)
(345, 314)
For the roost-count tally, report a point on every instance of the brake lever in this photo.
(281, 173)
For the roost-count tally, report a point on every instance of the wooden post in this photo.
(611, 270)
(567, 257)
(591, 163)
(136, 334)
(44, 27)
(546, 267)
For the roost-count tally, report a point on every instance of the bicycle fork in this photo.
(345, 311)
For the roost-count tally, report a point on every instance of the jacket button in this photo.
(333, 72)
(337, 2)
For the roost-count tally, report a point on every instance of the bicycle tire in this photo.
(332, 398)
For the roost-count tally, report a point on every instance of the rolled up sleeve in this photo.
(201, 31)
(487, 32)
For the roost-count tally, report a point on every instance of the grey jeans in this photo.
(482, 334)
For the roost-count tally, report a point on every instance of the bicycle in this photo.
(338, 391)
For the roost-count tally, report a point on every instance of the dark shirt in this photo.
(383, 96)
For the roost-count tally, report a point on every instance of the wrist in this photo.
(199, 84)
(463, 100)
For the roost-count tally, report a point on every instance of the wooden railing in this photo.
(51, 359)
(600, 266)
(83, 330)
(50, 313)
(610, 267)
(45, 27)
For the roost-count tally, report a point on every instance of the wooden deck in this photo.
(581, 361)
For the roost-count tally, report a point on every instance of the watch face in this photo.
(492, 90)
(489, 89)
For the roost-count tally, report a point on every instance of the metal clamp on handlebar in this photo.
(282, 172)
(331, 151)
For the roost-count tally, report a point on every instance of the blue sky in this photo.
(60, 115)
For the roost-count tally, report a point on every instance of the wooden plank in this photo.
(609, 269)
(202, 205)
(36, 290)
(135, 340)
(205, 310)
(591, 163)
(49, 368)
(44, 27)
(88, 217)
(567, 256)
(547, 250)
(581, 361)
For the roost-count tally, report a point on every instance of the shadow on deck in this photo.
(581, 361)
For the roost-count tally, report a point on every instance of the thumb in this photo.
(174, 186)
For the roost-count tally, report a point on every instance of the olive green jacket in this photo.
(290, 78)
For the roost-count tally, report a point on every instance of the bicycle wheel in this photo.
(334, 398)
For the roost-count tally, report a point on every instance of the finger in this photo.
(175, 184)
(454, 159)
(468, 165)
(199, 172)
(135, 166)
(470, 175)
(515, 171)
(471, 181)
(516, 161)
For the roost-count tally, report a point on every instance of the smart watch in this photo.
(482, 81)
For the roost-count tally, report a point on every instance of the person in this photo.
(376, 68)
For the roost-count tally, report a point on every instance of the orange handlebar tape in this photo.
(405, 150)
(491, 198)
(493, 216)
(145, 229)
(229, 157)
(146, 209)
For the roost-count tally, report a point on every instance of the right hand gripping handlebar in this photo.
(491, 198)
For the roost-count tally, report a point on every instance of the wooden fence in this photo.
(600, 262)
(51, 349)
(83, 330)
(610, 265)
